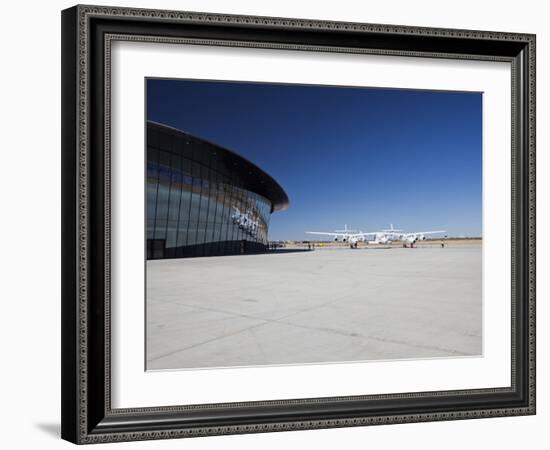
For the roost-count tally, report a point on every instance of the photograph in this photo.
(301, 224)
(275, 222)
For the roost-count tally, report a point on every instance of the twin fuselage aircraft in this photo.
(353, 237)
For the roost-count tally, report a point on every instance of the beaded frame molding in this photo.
(87, 35)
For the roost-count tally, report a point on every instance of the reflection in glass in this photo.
(204, 200)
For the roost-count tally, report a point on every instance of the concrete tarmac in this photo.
(330, 305)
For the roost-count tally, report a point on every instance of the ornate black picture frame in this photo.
(87, 34)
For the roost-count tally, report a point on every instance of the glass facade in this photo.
(203, 200)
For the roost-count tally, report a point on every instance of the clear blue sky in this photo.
(365, 157)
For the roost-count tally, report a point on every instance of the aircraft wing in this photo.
(366, 233)
(323, 233)
(425, 232)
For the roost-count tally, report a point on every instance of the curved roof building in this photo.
(203, 199)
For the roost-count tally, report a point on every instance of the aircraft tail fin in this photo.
(391, 229)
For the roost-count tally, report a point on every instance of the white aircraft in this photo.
(345, 235)
(380, 237)
(393, 234)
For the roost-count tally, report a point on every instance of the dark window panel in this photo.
(193, 192)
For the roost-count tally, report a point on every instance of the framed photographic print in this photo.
(277, 224)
